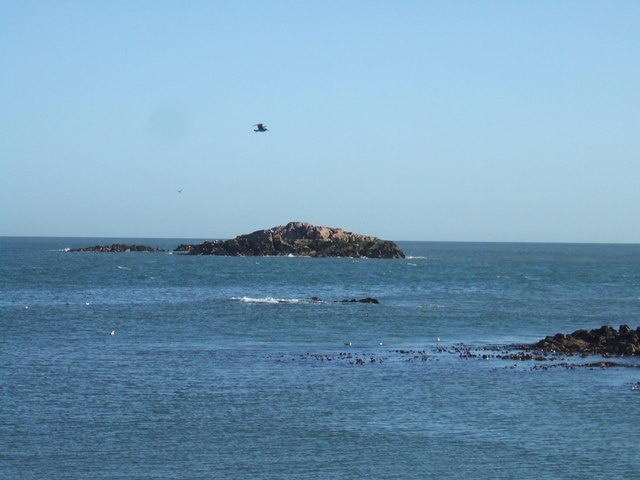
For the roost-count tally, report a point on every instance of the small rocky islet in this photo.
(299, 239)
(293, 239)
(606, 341)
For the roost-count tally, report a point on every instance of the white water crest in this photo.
(273, 300)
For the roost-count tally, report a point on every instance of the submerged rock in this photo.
(299, 239)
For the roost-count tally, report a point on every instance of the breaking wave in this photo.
(273, 300)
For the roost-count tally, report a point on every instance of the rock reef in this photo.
(117, 248)
(605, 341)
(298, 239)
(374, 301)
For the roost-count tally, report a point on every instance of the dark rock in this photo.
(298, 239)
(184, 248)
(601, 341)
(117, 248)
(625, 329)
(362, 300)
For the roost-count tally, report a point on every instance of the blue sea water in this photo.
(222, 367)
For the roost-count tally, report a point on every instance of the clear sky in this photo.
(408, 120)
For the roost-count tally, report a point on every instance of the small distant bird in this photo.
(348, 344)
(179, 190)
(261, 127)
(113, 332)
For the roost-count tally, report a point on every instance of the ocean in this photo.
(167, 366)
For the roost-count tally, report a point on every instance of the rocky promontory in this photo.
(299, 239)
(117, 248)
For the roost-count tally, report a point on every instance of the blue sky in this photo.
(408, 120)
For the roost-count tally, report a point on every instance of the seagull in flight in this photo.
(260, 127)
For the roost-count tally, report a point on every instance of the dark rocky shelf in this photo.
(117, 248)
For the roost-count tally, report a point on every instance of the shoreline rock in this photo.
(298, 239)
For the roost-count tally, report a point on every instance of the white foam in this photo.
(273, 300)
(246, 299)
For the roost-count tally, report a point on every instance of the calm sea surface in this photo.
(224, 368)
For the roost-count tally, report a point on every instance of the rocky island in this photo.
(299, 239)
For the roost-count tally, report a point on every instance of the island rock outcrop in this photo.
(601, 341)
(117, 248)
(299, 239)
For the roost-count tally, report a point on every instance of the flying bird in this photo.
(261, 127)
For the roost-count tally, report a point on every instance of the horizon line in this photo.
(205, 238)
